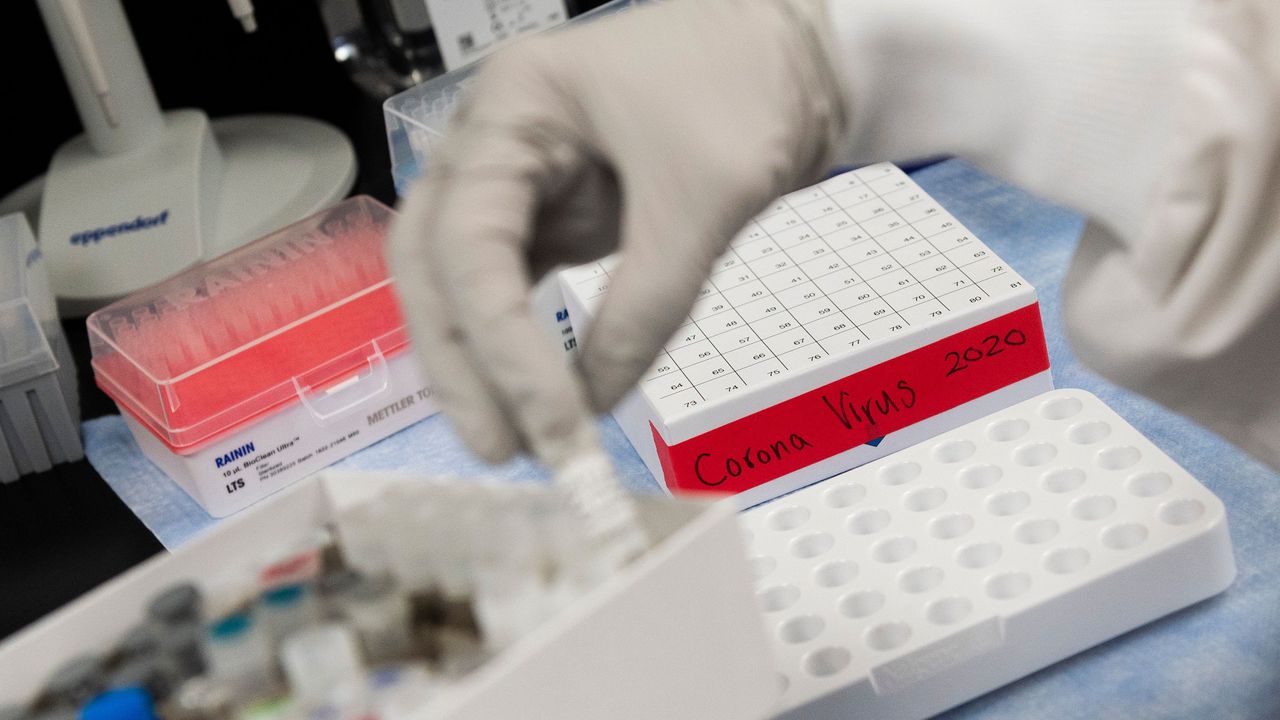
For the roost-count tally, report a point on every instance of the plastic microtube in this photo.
(324, 671)
(238, 651)
(609, 512)
(287, 609)
(379, 613)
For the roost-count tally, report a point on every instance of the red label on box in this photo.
(859, 408)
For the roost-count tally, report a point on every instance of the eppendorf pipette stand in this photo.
(142, 194)
(912, 584)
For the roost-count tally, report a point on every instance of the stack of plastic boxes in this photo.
(39, 407)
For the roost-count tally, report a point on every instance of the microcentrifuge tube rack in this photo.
(910, 585)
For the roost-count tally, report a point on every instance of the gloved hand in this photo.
(659, 132)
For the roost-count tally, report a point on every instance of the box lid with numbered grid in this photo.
(843, 312)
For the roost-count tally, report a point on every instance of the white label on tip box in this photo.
(467, 30)
(264, 457)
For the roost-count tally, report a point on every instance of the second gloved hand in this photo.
(658, 133)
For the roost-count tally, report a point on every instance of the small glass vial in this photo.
(332, 589)
(322, 664)
(175, 616)
(238, 652)
(380, 615)
(287, 609)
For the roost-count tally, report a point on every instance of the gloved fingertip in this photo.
(494, 445)
(605, 390)
(494, 453)
(564, 448)
(608, 374)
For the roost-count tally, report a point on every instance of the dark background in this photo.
(64, 532)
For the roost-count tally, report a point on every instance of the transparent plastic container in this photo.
(416, 118)
(39, 408)
(257, 367)
(235, 338)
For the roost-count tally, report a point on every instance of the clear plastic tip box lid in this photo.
(26, 306)
(416, 119)
(249, 333)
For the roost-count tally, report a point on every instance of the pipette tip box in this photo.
(911, 585)
(849, 320)
(39, 403)
(245, 373)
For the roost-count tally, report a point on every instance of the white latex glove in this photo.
(659, 132)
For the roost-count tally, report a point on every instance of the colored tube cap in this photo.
(283, 595)
(123, 704)
(230, 627)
